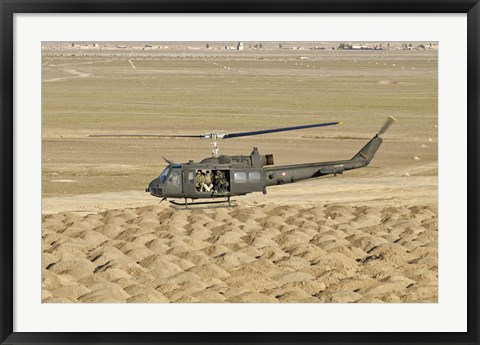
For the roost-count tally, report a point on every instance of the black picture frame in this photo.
(10, 7)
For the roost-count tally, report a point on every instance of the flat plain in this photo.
(368, 235)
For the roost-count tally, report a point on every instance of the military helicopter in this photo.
(239, 175)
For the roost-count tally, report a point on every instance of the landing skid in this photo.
(186, 204)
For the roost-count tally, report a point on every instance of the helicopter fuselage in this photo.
(243, 174)
(247, 174)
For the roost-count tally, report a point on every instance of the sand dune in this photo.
(262, 253)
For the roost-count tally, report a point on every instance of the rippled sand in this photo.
(249, 253)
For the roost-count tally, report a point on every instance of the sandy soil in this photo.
(336, 240)
(365, 236)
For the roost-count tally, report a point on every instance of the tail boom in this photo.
(369, 150)
(298, 172)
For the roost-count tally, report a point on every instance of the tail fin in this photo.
(369, 150)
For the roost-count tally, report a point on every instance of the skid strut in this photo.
(186, 204)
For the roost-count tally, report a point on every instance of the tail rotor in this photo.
(390, 120)
(368, 151)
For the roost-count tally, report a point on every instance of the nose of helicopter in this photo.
(155, 188)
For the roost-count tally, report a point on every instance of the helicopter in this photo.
(223, 176)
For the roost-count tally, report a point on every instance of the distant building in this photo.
(361, 47)
(240, 46)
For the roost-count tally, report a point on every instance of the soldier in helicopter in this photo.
(207, 183)
(199, 180)
(220, 182)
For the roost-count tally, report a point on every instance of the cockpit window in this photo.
(164, 174)
(175, 178)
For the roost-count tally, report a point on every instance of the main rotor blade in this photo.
(284, 129)
(215, 134)
(387, 124)
(143, 136)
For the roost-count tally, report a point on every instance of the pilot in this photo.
(207, 184)
(199, 180)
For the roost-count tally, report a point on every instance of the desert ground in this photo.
(368, 235)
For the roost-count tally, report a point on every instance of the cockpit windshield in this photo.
(164, 174)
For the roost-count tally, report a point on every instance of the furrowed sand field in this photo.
(369, 235)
